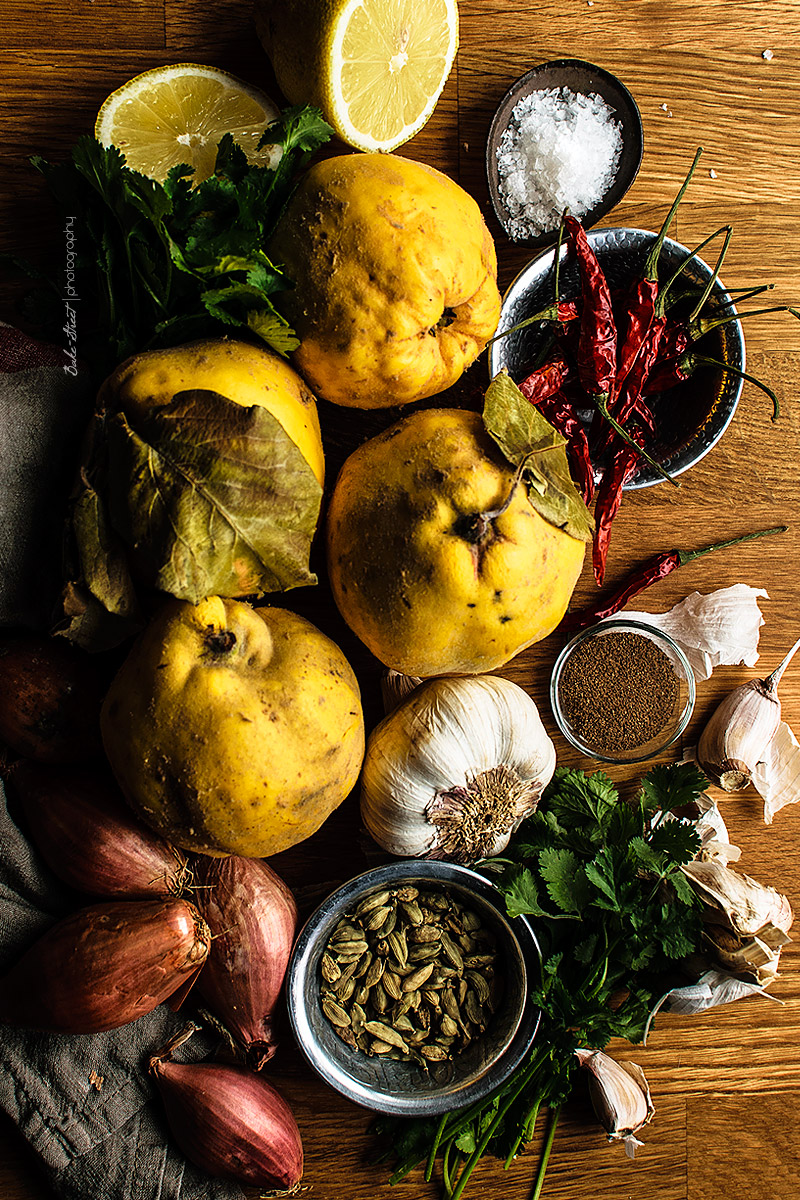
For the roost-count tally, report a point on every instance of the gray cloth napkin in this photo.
(84, 1103)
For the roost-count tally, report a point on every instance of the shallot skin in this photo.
(253, 918)
(231, 1122)
(104, 966)
(87, 835)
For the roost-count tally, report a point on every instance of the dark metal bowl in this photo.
(582, 78)
(385, 1085)
(690, 418)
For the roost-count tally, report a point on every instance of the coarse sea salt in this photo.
(560, 150)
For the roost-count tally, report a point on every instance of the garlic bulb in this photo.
(451, 771)
(736, 737)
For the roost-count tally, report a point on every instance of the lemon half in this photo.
(178, 114)
(376, 68)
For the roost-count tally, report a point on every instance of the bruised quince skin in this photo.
(395, 279)
(422, 571)
(248, 375)
(234, 730)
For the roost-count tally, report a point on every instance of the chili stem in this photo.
(547, 314)
(714, 276)
(538, 1183)
(705, 325)
(651, 265)
(686, 556)
(687, 258)
(602, 403)
(704, 360)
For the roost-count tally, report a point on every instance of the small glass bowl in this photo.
(389, 1086)
(676, 721)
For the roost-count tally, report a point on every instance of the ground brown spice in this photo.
(618, 691)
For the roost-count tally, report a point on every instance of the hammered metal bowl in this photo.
(384, 1085)
(690, 418)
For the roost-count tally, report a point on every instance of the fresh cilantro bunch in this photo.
(599, 877)
(158, 264)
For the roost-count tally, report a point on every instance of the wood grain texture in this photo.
(726, 1084)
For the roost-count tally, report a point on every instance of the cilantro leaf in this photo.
(522, 895)
(673, 787)
(679, 841)
(160, 262)
(565, 879)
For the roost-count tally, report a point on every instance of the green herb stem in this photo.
(435, 1147)
(552, 1122)
(527, 1077)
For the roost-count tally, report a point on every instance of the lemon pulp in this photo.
(389, 61)
(178, 114)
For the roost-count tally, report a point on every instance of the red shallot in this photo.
(253, 917)
(104, 966)
(84, 830)
(230, 1122)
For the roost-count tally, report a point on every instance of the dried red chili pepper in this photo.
(630, 402)
(597, 345)
(649, 573)
(546, 380)
(609, 497)
(560, 412)
(640, 303)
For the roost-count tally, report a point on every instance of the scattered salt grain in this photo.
(560, 150)
(768, 55)
(712, 174)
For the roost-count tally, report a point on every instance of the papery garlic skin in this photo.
(746, 922)
(452, 771)
(620, 1096)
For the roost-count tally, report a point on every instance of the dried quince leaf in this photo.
(212, 498)
(523, 434)
(103, 562)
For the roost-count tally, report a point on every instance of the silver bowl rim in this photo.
(334, 1074)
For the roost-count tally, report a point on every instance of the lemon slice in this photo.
(178, 114)
(376, 68)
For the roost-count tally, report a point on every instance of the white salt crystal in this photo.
(712, 174)
(560, 150)
(768, 55)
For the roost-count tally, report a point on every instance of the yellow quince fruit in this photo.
(234, 730)
(395, 279)
(436, 557)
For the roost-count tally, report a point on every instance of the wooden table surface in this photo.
(726, 1084)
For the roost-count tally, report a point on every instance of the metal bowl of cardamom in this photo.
(408, 988)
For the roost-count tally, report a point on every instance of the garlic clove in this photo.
(740, 730)
(737, 735)
(620, 1096)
